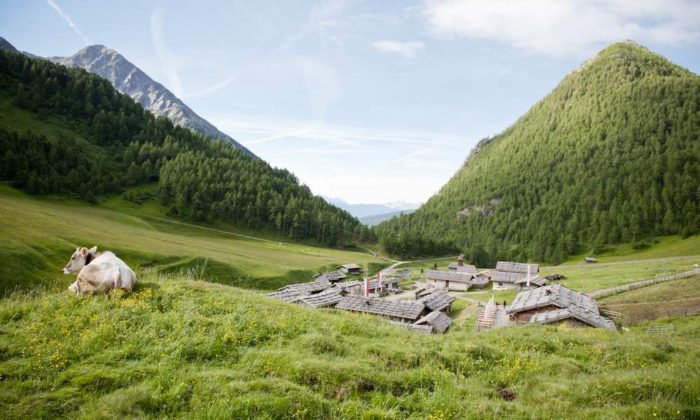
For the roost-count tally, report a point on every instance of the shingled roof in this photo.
(438, 320)
(467, 268)
(592, 319)
(437, 301)
(331, 276)
(326, 298)
(505, 276)
(454, 276)
(345, 285)
(396, 309)
(536, 280)
(514, 267)
(293, 292)
(577, 305)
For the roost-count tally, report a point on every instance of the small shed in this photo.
(327, 298)
(556, 303)
(350, 269)
(439, 301)
(450, 280)
(590, 260)
(438, 321)
(331, 276)
(407, 312)
(293, 292)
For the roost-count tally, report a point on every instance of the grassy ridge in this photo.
(177, 347)
(38, 235)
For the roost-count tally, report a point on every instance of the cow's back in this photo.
(109, 268)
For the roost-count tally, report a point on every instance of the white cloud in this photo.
(67, 19)
(169, 64)
(323, 86)
(213, 88)
(566, 28)
(404, 49)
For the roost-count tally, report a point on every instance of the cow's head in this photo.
(78, 260)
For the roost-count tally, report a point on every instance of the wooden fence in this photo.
(608, 291)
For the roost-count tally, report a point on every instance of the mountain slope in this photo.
(131, 80)
(6, 46)
(376, 219)
(611, 155)
(68, 132)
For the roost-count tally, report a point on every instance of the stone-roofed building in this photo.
(513, 275)
(439, 301)
(515, 267)
(350, 268)
(293, 292)
(438, 321)
(394, 310)
(460, 266)
(450, 280)
(557, 304)
(332, 276)
(329, 297)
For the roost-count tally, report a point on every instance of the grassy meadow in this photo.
(37, 236)
(177, 347)
(656, 301)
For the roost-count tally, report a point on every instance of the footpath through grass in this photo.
(183, 348)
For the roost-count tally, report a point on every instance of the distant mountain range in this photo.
(130, 80)
(379, 218)
(371, 214)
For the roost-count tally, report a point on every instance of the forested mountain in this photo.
(129, 79)
(611, 155)
(66, 131)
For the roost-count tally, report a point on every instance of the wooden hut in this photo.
(439, 301)
(405, 312)
(331, 276)
(513, 275)
(590, 260)
(350, 269)
(450, 280)
(435, 321)
(557, 304)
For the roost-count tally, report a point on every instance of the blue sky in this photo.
(369, 101)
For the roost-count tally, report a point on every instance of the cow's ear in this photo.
(83, 251)
(93, 249)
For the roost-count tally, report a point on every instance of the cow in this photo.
(98, 272)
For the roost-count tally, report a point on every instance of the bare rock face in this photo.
(130, 80)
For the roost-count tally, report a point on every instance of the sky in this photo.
(368, 101)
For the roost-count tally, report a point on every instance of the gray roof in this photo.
(437, 300)
(405, 310)
(505, 276)
(345, 285)
(556, 295)
(536, 280)
(350, 266)
(577, 305)
(374, 284)
(438, 320)
(425, 328)
(458, 276)
(293, 292)
(331, 276)
(326, 298)
(514, 267)
(288, 295)
(467, 268)
(592, 319)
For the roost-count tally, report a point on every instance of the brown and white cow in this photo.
(98, 271)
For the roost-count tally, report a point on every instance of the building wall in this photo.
(524, 317)
(451, 285)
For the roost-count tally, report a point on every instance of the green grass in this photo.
(37, 236)
(655, 301)
(183, 348)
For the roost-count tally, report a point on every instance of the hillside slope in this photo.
(611, 155)
(129, 79)
(180, 348)
(68, 132)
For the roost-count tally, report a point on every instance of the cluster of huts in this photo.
(507, 275)
(427, 313)
(537, 302)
